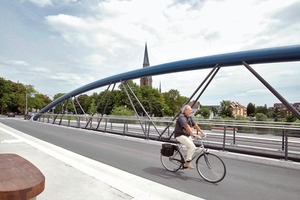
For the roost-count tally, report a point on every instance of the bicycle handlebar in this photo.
(201, 137)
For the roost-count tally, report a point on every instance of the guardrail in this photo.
(268, 139)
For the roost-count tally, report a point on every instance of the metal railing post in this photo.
(69, 119)
(234, 135)
(286, 145)
(124, 127)
(224, 138)
(105, 125)
(282, 142)
(78, 122)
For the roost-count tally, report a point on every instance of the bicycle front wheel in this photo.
(211, 168)
(172, 163)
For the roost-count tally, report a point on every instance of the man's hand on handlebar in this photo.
(201, 136)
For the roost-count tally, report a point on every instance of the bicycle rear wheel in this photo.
(172, 163)
(211, 168)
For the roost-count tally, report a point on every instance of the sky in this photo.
(60, 45)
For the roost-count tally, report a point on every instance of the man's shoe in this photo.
(189, 165)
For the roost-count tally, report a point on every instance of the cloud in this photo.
(46, 3)
(17, 62)
(42, 3)
(66, 44)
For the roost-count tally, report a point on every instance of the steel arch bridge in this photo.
(241, 58)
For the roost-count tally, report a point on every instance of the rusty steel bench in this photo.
(19, 178)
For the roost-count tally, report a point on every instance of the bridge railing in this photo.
(268, 139)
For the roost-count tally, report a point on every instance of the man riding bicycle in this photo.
(183, 130)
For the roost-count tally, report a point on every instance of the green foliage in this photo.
(174, 101)
(250, 110)
(240, 117)
(297, 121)
(214, 110)
(204, 112)
(116, 102)
(92, 107)
(122, 111)
(261, 117)
(290, 118)
(261, 109)
(271, 114)
(226, 111)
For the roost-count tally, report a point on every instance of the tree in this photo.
(261, 117)
(5, 90)
(203, 111)
(92, 107)
(226, 111)
(261, 109)
(82, 104)
(174, 101)
(122, 111)
(123, 99)
(271, 114)
(250, 110)
(214, 110)
(58, 108)
(290, 118)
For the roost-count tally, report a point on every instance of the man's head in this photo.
(187, 110)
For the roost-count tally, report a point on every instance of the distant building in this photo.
(282, 108)
(212, 109)
(146, 80)
(238, 109)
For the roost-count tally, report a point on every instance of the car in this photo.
(11, 114)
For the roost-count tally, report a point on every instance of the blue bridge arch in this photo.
(257, 56)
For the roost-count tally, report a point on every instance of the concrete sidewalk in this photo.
(75, 177)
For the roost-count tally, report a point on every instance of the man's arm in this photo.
(189, 129)
(199, 129)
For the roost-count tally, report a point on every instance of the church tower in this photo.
(146, 80)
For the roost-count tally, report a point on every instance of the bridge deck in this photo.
(96, 180)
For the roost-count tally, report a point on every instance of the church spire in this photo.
(146, 58)
(148, 79)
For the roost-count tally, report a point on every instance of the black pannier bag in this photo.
(167, 149)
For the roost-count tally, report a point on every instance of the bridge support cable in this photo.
(133, 107)
(105, 107)
(141, 105)
(217, 68)
(63, 111)
(281, 98)
(212, 73)
(78, 118)
(75, 110)
(97, 106)
(80, 106)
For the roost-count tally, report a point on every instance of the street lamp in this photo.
(26, 109)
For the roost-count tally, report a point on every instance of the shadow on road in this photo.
(180, 174)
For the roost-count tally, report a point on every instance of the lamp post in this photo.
(26, 109)
(26, 104)
(51, 100)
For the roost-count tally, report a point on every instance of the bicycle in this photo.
(209, 166)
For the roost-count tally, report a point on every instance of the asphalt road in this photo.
(244, 180)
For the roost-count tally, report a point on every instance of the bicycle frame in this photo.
(195, 155)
